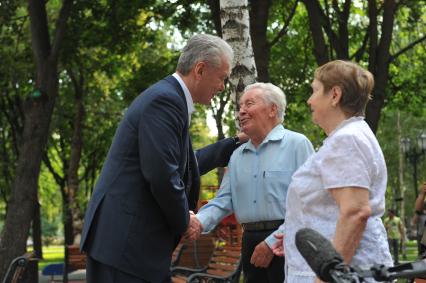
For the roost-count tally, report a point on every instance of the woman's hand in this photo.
(278, 247)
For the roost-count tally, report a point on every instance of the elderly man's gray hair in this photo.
(271, 94)
(206, 48)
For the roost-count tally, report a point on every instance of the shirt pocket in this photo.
(276, 185)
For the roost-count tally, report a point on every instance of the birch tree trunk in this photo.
(236, 31)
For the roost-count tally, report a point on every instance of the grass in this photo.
(51, 254)
(410, 252)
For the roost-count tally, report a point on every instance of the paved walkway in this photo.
(78, 276)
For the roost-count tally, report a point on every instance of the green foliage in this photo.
(411, 126)
(200, 135)
(120, 48)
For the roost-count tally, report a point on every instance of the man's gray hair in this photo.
(271, 94)
(204, 47)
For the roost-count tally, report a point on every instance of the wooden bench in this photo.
(74, 260)
(18, 267)
(224, 266)
(194, 254)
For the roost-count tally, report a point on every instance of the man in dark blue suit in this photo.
(150, 180)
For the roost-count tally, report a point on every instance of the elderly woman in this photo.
(340, 190)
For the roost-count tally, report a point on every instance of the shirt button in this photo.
(255, 175)
(254, 201)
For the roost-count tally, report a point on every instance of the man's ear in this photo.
(199, 69)
(336, 93)
(273, 112)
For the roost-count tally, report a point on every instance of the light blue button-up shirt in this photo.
(255, 185)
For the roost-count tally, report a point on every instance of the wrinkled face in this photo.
(320, 103)
(255, 115)
(211, 80)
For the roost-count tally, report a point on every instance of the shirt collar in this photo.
(188, 97)
(277, 133)
(346, 122)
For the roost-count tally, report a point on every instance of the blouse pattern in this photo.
(349, 157)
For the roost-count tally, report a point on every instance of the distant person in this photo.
(255, 185)
(419, 219)
(340, 190)
(395, 230)
(150, 180)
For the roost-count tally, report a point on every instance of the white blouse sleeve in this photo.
(346, 162)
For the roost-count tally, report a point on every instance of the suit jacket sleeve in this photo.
(215, 155)
(161, 149)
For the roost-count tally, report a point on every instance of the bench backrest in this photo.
(225, 262)
(74, 258)
(17, 267)
(196, 254)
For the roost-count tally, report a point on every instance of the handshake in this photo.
(194, 228)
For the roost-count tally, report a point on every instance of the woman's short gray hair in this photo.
(204, 47)
(271, 94)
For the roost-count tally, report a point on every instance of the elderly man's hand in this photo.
(194, 228)
(243, 137)
(262, 255)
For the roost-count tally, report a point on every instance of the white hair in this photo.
(204, 47)
(271, 94)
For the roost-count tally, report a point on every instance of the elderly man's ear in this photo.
(273, 112)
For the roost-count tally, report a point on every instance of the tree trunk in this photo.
(215, 10)
(218, 110)
(236, 31)
(37, 243)
(381, 66)
(315, 25)
(75, 155)
(401, 182)
(259, 14)
(38, 112)
(379, 51)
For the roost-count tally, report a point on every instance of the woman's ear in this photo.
(336, 94)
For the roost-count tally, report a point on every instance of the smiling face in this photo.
(257, 118)
(210, 80)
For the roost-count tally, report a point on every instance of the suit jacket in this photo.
(140, 208)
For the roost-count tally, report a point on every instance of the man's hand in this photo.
(262, 255)
(194, 229)
(278, 247)
(242, 137)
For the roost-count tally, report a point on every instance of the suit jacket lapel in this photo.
(183, 164)
(190, 174)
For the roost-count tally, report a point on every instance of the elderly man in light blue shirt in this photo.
(255, 186)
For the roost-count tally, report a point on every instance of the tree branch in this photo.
(284, 29)
(61, 25)
(406, 48)
(358, 54)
